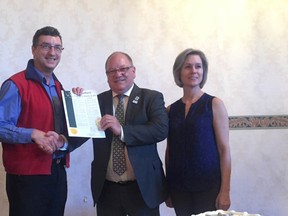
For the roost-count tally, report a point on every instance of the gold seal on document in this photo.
(98, 123)
(73, 130)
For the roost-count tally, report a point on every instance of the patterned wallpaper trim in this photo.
(258, 122)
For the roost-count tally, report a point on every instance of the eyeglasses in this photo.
(122, 70)
(48, 47)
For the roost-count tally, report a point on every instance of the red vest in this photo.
(36, 112)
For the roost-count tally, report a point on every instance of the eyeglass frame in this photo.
(48, 47)
(121, 69)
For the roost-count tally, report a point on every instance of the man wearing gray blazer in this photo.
(140, 187)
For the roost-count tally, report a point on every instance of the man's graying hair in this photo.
(118, 52)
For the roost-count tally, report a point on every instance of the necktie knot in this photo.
(120, 97)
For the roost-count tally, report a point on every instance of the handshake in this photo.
(48, 142)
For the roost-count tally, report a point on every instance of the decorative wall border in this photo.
(258, 122)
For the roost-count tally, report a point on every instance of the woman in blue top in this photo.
(198, 159)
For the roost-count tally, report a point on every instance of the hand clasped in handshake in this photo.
(48, 142)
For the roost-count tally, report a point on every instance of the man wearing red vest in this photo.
(32, 132)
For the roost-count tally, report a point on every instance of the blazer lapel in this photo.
(134, 99)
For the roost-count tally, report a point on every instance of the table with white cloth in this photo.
(225, 213)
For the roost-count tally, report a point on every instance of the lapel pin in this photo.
(135, 101)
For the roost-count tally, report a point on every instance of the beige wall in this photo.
(246, 45)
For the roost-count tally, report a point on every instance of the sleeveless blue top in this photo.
(193, 162)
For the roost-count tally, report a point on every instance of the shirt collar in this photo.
(42, 77)
(34, 74)
(127, 93)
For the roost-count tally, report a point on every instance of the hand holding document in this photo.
(82, 114)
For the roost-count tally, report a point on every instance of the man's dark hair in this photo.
(48, 30)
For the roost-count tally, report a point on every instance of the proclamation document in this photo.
(82, 114)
